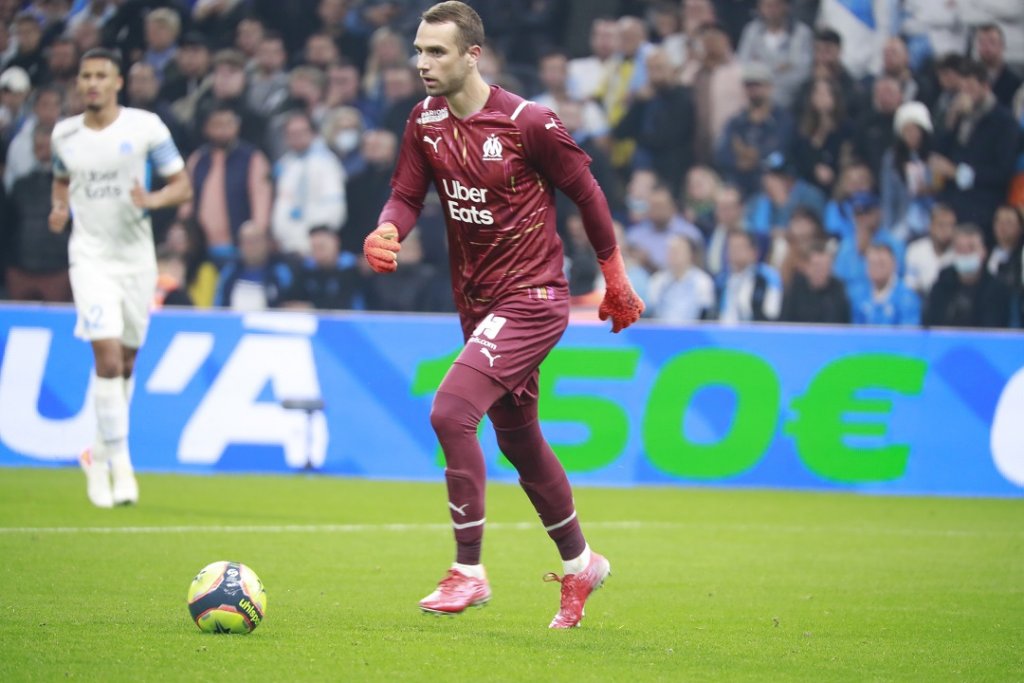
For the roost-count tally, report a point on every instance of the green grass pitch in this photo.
(707, 584)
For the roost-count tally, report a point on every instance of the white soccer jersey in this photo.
(103, 165)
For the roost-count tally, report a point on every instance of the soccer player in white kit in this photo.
(102, 159)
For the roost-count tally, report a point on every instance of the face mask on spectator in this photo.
(346, 140)
(967, 264)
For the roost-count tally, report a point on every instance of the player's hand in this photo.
(59, 215)
(621, 303)
(381, 249)
(140, 197)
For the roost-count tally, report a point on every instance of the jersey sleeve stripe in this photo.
(522, 105)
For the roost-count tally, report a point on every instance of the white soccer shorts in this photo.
(112, 305)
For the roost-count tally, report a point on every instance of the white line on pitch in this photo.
(509, 526)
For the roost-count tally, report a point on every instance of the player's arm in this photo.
(561, 160)
(60, 211)
(398, 217)
(178, 190)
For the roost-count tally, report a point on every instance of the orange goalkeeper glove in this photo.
(621, 303)
(381, 249)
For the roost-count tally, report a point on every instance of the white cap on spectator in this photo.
(757, 72)
(15, 79)
(912, 112)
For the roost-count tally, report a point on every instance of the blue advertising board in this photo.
(830, 408)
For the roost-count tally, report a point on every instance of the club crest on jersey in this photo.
(492, 149)
(432, 116)
(125, 148)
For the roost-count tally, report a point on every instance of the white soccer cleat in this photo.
(97, 480)
(126, 488)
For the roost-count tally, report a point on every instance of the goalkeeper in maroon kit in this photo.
(496, 160)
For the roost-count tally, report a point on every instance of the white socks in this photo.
(577, 564)
(111, 418)
(475, 571)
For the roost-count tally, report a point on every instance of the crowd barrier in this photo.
(829, 408)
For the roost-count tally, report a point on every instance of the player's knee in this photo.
(109, 363)
(453, 416)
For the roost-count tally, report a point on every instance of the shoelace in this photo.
(570, 598)
(450, 582)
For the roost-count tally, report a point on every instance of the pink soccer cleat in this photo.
(455, 593)
(576, 588)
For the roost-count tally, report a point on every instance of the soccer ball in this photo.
(227, 597)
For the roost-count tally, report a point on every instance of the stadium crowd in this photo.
(764, 159)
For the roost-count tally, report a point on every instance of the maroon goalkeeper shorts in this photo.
(510, 342)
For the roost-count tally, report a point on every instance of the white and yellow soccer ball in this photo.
(227, 597)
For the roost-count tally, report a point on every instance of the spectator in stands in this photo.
(61, 63)
(851, 263)
(769, 211)
(423, 287)
(715, 77)
(682, 291)
(310, 187)
(698, 197)
(248, 35)
(268, 80)
(369, 187)
(553, 72)
(875, 129)
(343, 90)
(306, 90)
(37, 264)
(906, 180)
(401, 90)
(666, 23)
(587, 75)
(696, 15)
(571, 113)
(976, 157)
(751, 291)
(883, 299)
(790, 250)
(947, 75)
(1005, 261)
(351, 44)
(28, 36)
(320, 51)
(625, 80)
(162, 29)
(638, 195)
(343, 129)
(294, 19)
(896, 65)
(188, 78)
(751, 136)
(94, 12)
(21, 155)
(582, 269)
(387, 48)
(143, 90)
(256, 279)
(775, 39)
(227, 87)
(990, 50)
(933, 29)
(327, 279)
(86, 35)
(185, 239)
(728, 219)
(827, 65)
(218, 19)
(127, 29)
(928, 255)
(231, 178)
(661, 120)
(15, 88)
(965, 294)
(648, 241)
(853, 178)
(170, 280)
(823, 136)
(815, 295)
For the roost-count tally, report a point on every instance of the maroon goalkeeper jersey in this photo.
(495, 173)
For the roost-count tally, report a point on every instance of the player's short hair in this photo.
(882, 246)
(985, 28)
(745, 236)
(167, 17)
(972, 68)
(826, 34)
(950, 61)
(222, 108)
(112, 56)
(467, 21)
(970, 229)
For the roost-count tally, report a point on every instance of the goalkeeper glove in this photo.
(621, 303)
(381, 249)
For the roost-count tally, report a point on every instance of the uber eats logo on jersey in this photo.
(457, 192)
(102, 185)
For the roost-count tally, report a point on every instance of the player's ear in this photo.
(473, 54)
